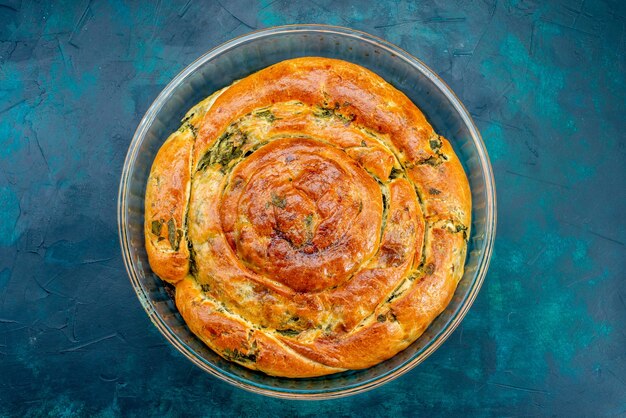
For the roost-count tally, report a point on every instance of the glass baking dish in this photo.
(238, 58)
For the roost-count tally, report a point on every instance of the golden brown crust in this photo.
(327, 221)
(166, 197)
(237, 341)
(352, 89)
(443, 186)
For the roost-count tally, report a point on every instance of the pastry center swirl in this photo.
(302, 212)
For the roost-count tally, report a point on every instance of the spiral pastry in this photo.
(310, 219)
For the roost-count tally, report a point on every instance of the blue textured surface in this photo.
(546, 85)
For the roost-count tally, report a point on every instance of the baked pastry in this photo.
(310, 219)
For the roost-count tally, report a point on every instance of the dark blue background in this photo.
(545, 83)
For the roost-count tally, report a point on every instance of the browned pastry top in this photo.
(310, 218)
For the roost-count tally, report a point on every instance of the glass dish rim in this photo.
(350, 389)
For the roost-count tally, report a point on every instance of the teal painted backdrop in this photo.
(544, 81)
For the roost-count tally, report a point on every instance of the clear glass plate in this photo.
(239, 58)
